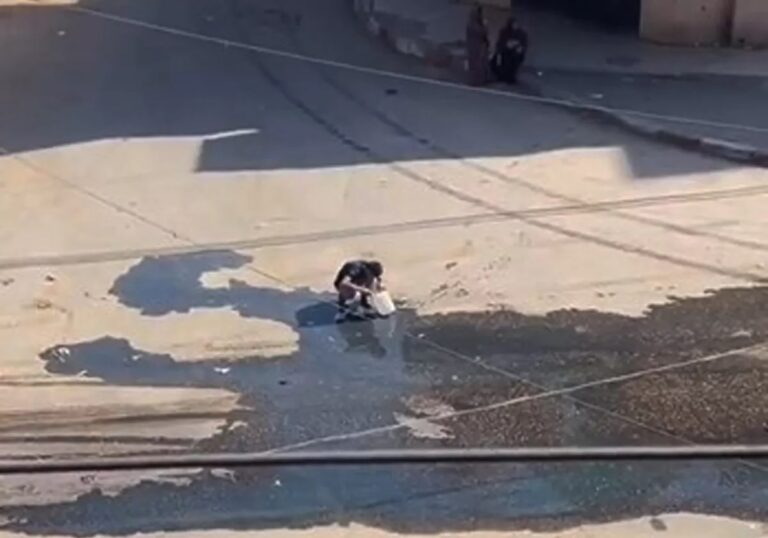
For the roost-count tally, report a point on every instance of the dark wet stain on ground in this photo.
(567, 347)
(410, 499)
(355, 376)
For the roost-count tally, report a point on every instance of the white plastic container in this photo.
(382, 303)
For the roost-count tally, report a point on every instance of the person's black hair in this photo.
(376, 268)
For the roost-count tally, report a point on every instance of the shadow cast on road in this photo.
(75, 78)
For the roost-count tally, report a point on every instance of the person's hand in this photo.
(363, 289)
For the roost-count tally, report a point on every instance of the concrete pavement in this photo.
(173, 212)
(679, 525)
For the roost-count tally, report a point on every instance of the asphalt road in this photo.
(671, 97)
(187, 144)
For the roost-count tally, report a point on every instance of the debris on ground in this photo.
(224, 474)
(42, 304)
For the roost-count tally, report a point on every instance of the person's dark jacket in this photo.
(359, 272)
(510, 52)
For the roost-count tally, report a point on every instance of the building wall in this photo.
(750, 23)
(687, 22)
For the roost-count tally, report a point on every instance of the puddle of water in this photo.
(349, 377)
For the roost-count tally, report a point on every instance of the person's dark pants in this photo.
(347, 294)
(506, 67)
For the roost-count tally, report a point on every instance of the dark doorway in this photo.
(617, 14)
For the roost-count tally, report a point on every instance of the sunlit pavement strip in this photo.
(674, 525)
(45, 490)
(12, 3)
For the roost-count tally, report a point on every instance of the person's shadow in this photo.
(358, 334)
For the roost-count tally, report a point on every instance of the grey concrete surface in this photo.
(588, 65)
(172, 211)
(727, 113)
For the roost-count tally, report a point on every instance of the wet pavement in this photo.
(688, 370)
(456, 380)
(342, 378)
(414, 499)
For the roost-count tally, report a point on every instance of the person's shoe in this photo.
(340, 317)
